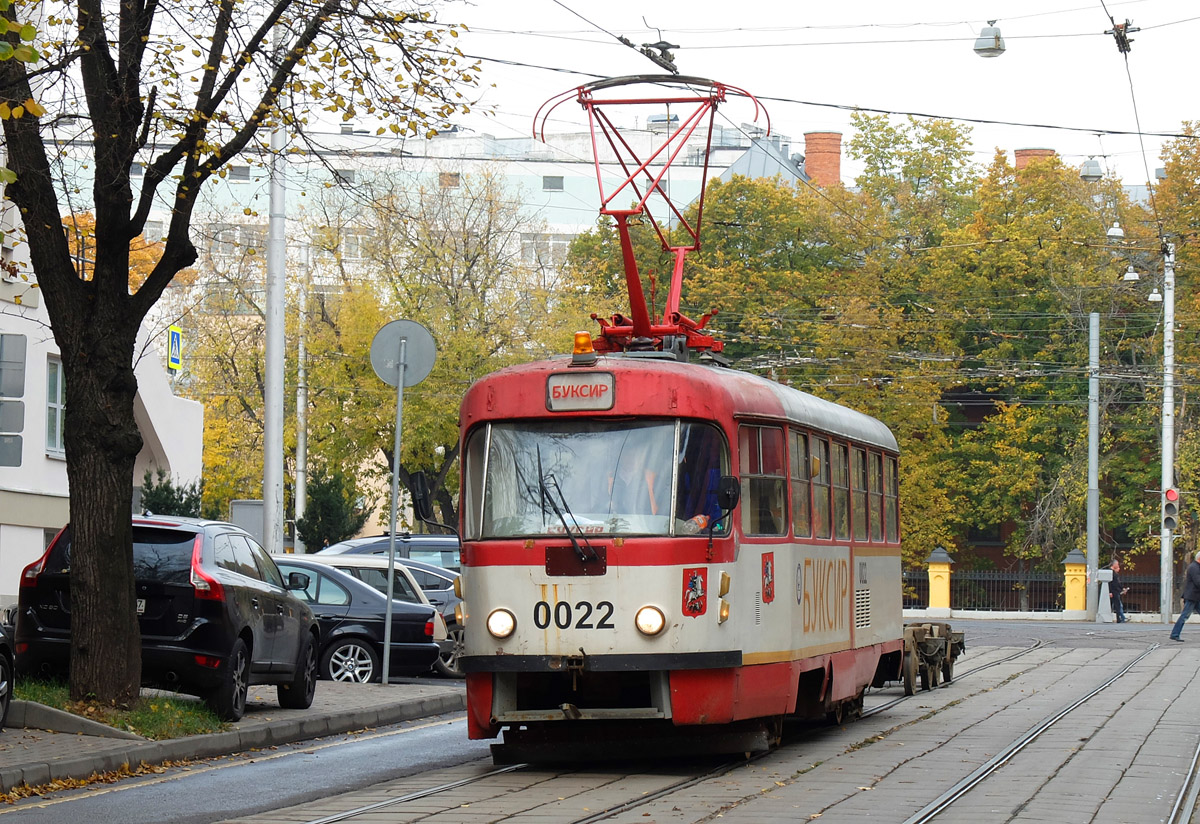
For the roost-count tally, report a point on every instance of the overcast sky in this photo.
(809, 61)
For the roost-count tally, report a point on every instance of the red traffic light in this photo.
(1171, 494)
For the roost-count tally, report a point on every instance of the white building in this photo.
(34, 495)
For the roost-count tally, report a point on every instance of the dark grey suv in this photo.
(216, 614)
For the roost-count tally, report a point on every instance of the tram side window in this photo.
(875, 496)
(891, 499)
(841, 491)
(820, 487)
(800, 468)
(761, 465)
(858, 492)
(703, 459)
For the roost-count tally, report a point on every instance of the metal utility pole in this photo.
(274, 367)
(1167, 561)
(1093, 490)
(301, 492)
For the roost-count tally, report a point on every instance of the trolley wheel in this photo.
(908, 670)
(947, 670)
(837, 715)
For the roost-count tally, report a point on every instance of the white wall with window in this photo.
(34, 496)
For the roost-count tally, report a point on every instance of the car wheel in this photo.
(448, 664)
(6, 688)
(298, 693)
(352, 660)
(228, 701)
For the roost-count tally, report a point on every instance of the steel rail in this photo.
(688, 782)
(640, 800)
(887, 705)
(965, 785)
(1185, 804)
(400, 799)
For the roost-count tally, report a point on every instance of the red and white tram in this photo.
(661, 549)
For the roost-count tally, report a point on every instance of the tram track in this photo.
(648, 796)
(978, 776)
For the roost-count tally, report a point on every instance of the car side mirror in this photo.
(422, 501)
(297, 580)
(729, 492)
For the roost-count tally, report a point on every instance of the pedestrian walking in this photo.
(1116, 592)
(1191, 594)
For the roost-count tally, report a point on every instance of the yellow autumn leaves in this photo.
(30, 106)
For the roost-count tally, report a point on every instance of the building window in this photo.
(12, 393)
(343, 176)
(224, 239)
(228, 239)
(56, 404)
(355, 243)
(449, 180)
(153, 233)
(545, 250)
(136, 170)
(552, 183)
(239, 174)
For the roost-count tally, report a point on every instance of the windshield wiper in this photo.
(546, 488)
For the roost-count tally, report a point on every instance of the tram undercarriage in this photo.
(586, 715)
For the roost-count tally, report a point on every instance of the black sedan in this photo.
(351, 619)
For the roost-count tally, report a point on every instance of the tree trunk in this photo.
(102, 441)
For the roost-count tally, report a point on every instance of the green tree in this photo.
(161, 496)
(335, 510)
(181, 101)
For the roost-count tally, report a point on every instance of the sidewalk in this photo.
(40, 745)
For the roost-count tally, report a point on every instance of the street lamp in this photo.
(989, 43)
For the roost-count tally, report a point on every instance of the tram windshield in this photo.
(594, 477)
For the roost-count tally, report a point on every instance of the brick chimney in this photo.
(1025, 156)
(823, 157)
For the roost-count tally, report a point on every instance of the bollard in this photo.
(1075, 581)
(1104, 613)
(939, 562)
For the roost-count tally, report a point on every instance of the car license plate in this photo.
(141, 605)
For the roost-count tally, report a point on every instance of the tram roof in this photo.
(734, 392)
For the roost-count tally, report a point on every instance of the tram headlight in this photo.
(650, 620)
(458, 586)
(501, 623)
(723, 612)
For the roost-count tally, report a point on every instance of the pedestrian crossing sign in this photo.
(174, 348)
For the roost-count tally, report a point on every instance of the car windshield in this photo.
(593, 477)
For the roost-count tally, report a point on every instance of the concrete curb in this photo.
(256, 736)
(35, 716)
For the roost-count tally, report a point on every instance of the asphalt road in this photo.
(251, 783)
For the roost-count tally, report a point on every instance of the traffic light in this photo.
(1170, 510)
